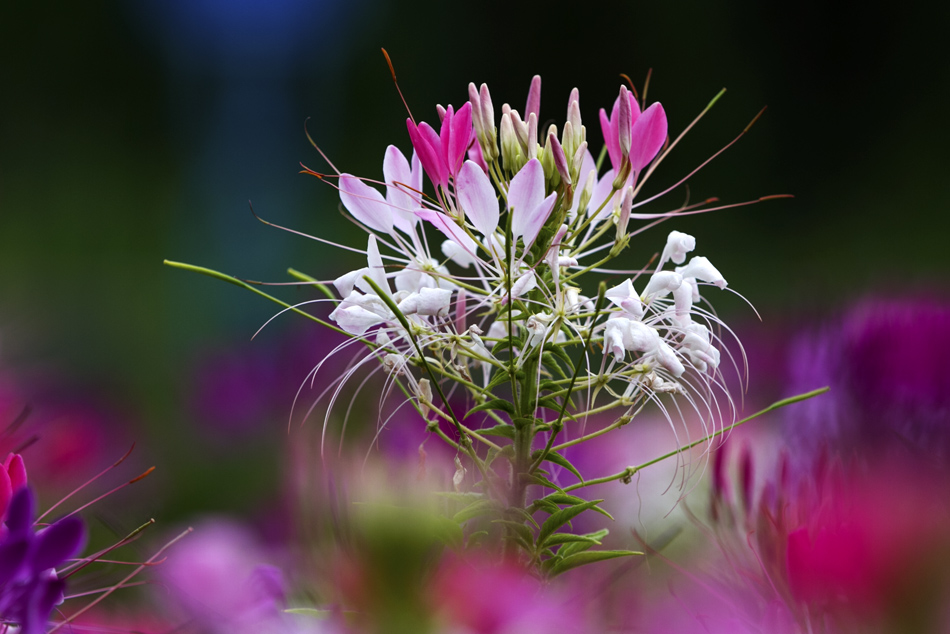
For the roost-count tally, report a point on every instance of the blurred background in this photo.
(131, 132)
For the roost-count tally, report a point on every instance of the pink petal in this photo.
(427, 146)
(648, 136)
(536, 219)
(534, 98)
(449, 229)
(366, 204)
(398, 178)
(525, 195)
(611, 139)
(6, 492)
(477, 197)
(624, 121)
(16, 470)
(475, 155)
(460, 139)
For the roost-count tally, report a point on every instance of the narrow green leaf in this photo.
(502, 429)
(550, 363)
(577, 547)
(540, 479)
(566, 538)
(496, 403)
(562, 517)
(588, 557)
(479, 507)
(474, 538)
(561, 461)
(522, 532)
(497, 379)
(503, 345)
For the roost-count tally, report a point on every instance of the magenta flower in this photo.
(442, 154)
(632, 135)
(29, 587)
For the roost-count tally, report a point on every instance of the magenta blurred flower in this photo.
(217, 577)
(886, 364)
(29, 587)
(480, 597)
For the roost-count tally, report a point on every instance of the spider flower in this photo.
(519, 229)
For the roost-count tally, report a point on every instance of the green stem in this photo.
(630, 471)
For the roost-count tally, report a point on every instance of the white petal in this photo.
(524, 284)
(661, 283)
(428, 301)
(525, 195)
(700, 268)
(477, 197)
(366, 204)
(376, 272)
(678, 244)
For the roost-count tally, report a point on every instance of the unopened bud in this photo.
(587, 192)
(533, 106)
(560, 161)
(510, 147)
(626, 204)
(521, 131)
(574, 117)
(476, 102)
(424, 394)
(626, 122)
(567, 139)
(488, 123)
(440, 110)
(532, 136)
(577, 162)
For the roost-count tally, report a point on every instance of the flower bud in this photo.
(533, 107)
(574, 118)
(587, 192)
(626, 204)
(577, 162)
(532, 146)
(511, 152)
(626, 122)
(567, 139)
(560, 161)
(441, 111)
(488, 124)
(521, 131)
(476, 102)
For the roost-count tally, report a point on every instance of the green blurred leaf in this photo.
(497, 404)
(564, 564)
(577, 547)
(561, 461)
(473, 510)
(502, 429)
(562, 517)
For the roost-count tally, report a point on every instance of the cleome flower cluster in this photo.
(521, 217)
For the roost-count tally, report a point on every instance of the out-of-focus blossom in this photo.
(480, 597)
(29, 586)
(218, 578)
(839, 544)
(885, 362)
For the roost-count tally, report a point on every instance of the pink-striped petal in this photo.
(477, 197)
(610, 139)
(366, 204)
(648, 136)
(449, 229)
(525, 195)
(536, 219)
